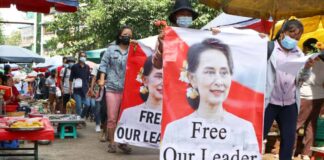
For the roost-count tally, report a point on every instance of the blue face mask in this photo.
(184, 21)
(288, 42)
(71, 64)
(66, 65)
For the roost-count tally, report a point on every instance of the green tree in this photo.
(2, 37)
(96, 22)
(14, 39)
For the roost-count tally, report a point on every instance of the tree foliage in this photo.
(13, 39)
(97, 22)
(2, 37)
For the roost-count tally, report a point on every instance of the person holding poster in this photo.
(113, 67)
(210, 131)
(144, 119)
(182, 15)
(282, 98)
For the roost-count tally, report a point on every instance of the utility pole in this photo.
(37, 33)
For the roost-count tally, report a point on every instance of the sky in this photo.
(12, 14)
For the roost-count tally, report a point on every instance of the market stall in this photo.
(25, 129)
(64, 122)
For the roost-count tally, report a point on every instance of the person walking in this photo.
(80, 77)
(65, 85)
(50, 83)
(113, 67)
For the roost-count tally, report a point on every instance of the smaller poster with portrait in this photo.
(140, 117)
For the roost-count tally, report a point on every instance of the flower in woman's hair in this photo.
(143, 90)
(192, 93)
(139, 76)
(320, 45)
(184, 74)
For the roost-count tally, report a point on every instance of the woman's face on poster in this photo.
(212, 78)
(154, 83)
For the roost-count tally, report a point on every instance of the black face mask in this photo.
(125, 40)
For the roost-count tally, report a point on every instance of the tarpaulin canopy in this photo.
(264, 9)
(14, 54)
(42, 6)
(94, 55)
(222, 20)
(313, 28)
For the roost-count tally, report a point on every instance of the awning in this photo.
(14, 54)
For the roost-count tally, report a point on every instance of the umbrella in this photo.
(14, 54)
(50, 64)
(264, 9)
(42, 6)
(222, 20)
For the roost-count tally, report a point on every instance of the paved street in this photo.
(87, 147)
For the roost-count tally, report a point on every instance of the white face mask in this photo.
(83, 59)
(184, 21)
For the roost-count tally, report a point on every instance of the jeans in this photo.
(79, 100)
(96, 111)
(286, 117)
(93, 109)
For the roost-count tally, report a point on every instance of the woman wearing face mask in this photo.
(151, 93)
(282, 89)
(50, 83)
(113, 67)
(210, 70)
(65, 85)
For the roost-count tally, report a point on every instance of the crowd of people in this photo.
(295, 102)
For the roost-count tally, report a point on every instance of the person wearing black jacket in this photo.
(40, 84)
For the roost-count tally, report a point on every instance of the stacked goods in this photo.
(27, 123)
(21, 124)
(70, 106)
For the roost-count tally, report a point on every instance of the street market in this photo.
(161, 79)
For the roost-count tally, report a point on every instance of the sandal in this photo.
(125, 148)
(112, 148)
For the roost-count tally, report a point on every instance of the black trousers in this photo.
(286, 117)
(66, 98)
(103, 109)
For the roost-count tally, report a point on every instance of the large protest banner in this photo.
(140, 115)
(213, 98)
